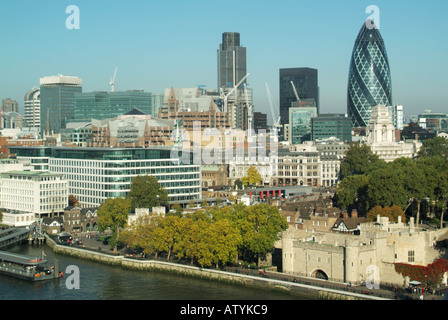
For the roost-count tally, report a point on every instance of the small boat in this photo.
(27, 268)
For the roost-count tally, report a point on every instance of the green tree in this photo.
(359, 160)
(113, 214)
(260, 226)
(238, 184)
(225, 240)
(252, 178)
(437, 146)
(177, 210)
(146, 192)
(351, 193)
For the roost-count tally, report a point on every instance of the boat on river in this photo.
(27, 268)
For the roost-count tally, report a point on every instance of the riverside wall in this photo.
(207, 274)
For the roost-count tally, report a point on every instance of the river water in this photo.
(104, 282)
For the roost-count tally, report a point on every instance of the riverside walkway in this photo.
(268, 279)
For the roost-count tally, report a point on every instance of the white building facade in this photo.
(39, 193)
(381, 137)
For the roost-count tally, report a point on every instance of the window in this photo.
(411, 256)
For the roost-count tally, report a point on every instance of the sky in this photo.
(157, 44)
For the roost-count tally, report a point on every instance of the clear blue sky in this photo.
(158, 44)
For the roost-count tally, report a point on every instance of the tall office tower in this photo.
(9, 105)
(232, 61)
(398, 117)
(57, 101)
(369, 80)
(306, 84)
(232, 70)
(32, 108)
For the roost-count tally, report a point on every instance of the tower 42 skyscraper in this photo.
(369, 80)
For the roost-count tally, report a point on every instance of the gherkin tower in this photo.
(369, 80)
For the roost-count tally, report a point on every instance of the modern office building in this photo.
(32, 108)
(232, 60)
(369, 80)
(96, 174)
(433, 121)
(37, 192)
(106, 105)
(260, 121)
(326, 126)
(300, 123)
(57, 101)
(306, 83)
(398, 117)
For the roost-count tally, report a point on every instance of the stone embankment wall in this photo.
(209, 274)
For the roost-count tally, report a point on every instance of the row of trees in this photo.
(367, 181)
(212, 236)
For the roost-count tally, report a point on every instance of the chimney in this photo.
(344, 214)
(355, 214)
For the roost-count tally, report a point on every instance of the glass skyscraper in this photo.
(369, 80)
(232, 60)
(300, 123)
(57, 101)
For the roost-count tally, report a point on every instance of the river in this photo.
(103, 282)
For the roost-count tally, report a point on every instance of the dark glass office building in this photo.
(326, 126)
(106, 105)
(57, 101)
(306, 83)
(369, 80)
(232, 60)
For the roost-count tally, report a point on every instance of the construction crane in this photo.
(295, 91)
(225, 97)
(249, 111)
(277, 126)
(112, 81)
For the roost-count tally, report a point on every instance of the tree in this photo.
(225, 239)
(351, 193)
(238, 184)
(359, 159)
(176, 210)
(260, 226)
(252, 178)
(146, 192)
(72, 201)
(113, 214)
(168, 234)
(392, 213)
(437, 146)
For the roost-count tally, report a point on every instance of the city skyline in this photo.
(156, 45)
